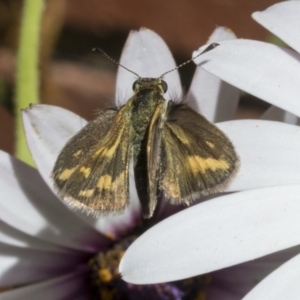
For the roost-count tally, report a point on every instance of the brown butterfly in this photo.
(175, 152)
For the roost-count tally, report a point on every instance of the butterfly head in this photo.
(150, 84)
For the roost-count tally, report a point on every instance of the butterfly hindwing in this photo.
(197, 158)
(96, 179)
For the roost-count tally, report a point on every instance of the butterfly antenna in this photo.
(99, 50)
(208, 48)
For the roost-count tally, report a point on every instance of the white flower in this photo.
(45, 246)
(243, 226)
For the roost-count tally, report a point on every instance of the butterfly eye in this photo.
(164, 86)
(134, 85)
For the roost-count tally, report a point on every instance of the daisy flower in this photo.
(51, 252)
(263, 217)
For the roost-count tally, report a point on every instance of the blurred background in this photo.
(73, 77)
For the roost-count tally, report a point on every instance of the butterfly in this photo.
(175, 152)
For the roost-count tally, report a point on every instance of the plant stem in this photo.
(27, 78)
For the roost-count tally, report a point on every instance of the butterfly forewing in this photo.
(197, 158)
(93, 175)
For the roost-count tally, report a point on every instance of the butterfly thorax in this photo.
(148, 94)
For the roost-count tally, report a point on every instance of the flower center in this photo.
(107, 284)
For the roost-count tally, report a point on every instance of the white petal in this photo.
(22, 265)
(146, 54)
(238, 280)
(266, 71)
(29, 206)
(48, 128)
(11, 236)
(66, 287)
(283, 20)
(269, 153)
(277, 114)
(209, 95)
(283, 283)
(214, 235)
